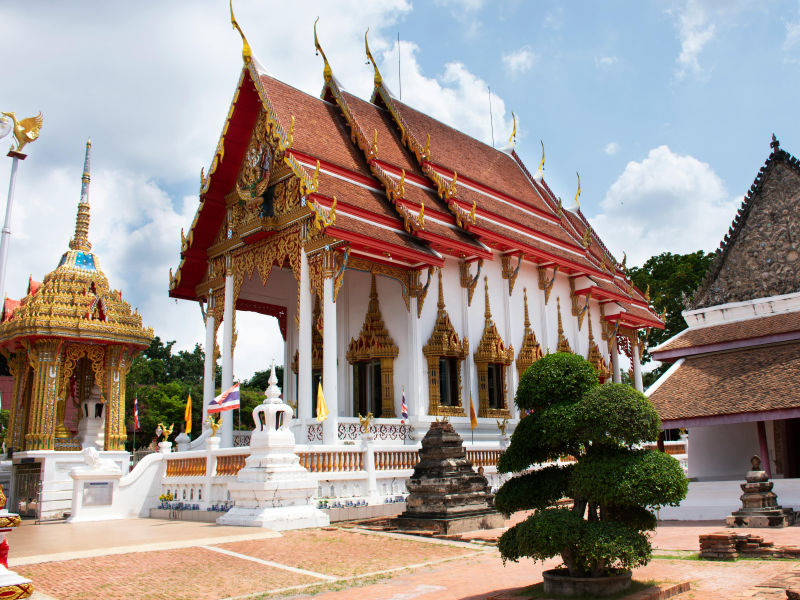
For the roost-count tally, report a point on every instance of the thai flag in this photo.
(403, 407)
(136, 412)
(227, 400)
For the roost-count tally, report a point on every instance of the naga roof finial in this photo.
(513, 139)
(326, 72)
(378, 78)
(540, 171)
(247, 54)
(81, 239)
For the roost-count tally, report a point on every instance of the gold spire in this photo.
(378, 78)
(326, 72)
(531, 350)
(81, 239)
(440, 304)
(247, 54)
(373, 296)
(487, 314)
(525, 299)
(563, 343)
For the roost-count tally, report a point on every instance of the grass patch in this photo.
(678, 555)
(537, 591)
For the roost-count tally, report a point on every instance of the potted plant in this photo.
(613, 483)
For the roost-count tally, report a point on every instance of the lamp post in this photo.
(25, 131)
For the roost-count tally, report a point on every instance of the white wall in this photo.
(722, 452)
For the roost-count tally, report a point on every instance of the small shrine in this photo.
(445, 493)
(273, 490)
(69, 344)
(759, 503)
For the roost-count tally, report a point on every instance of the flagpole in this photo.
(6, 234)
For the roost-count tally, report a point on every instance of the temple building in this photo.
(736, 370)
(69, 344)
(366, 228)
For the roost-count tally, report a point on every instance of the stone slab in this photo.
(449, 526)
(661, 591)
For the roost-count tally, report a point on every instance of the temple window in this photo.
(531, 350)
(372, 356)
(491, 359)
(444, 353)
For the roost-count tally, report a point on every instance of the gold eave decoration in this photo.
(491, 348)
(595, 357)
(531, 350)
(374, 340)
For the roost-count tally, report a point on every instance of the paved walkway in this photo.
(198, 561)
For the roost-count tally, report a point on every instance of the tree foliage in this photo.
(614, 486)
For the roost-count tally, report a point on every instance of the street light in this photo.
(25, 131)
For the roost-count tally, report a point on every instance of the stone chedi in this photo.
(759, 503)
(273, 490)
(446, 494)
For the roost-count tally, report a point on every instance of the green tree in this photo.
(672, 279)
(614, 487)
(260, 379)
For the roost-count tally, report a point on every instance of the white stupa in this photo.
(273, 490)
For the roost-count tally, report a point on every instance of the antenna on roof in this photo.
(491, 120)
(399, 80)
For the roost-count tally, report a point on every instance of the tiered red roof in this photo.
(382, 182)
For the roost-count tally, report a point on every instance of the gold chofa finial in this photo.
(540, 171)
(326, 72)
(25, 130)
(513, 139)
(578, 193)
(378, 78)
(247, 54)
(426, 154)
(81, 239)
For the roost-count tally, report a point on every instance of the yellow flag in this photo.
(187, 415)
(322, 408)
(473, 418)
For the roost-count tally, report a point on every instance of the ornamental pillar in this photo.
(415, 393)
(305, 395)
(226, 431)
(18, 366)
(511, 372)
(208, 365)
(330, 427)
(46, 360)
(117, 363)
(616, 376)
(637, 366)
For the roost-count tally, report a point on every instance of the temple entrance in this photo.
(787, 446)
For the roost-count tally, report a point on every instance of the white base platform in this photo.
(279, 518)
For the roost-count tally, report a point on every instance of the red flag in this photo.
(136, 412)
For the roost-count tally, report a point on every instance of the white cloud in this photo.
(792, 33)
(461, 5)
(457, 97)
(694, 32)
(666, 203)
(605, 61)
(520, 60)
(611, 148)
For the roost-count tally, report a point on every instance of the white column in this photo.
(511, 375)
(616, 376)
(637, 367)
(469, 362)
(415, 390)
(226, 432)
(330, 427)
(208, 367)
(305, 395)
(544, 334)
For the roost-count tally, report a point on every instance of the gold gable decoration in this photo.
(374, 342)
(563, 343)
(443, 342)
(491, 349)
(531, 350)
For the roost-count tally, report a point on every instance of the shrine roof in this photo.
(751, 380)
(8, 308)
(697, 337)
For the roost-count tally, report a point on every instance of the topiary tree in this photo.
(614, 486)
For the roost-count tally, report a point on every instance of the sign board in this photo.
(97, 493)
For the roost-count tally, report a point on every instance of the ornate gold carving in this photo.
(467, 281)
(412, 222)
(452, 191)
(373, 149)
(578, 310)
(323, 217)
(326, 72)
(587, 238)
(419, 291)
(595, 357)
(364, 421)
(378, 79)
(546, 284)
(338, 277)
(247, 53)
(531, 350)
(374, 342)
(491, 349)
(403, 276)
(426, 153)
(563, 343)
(443, 342)
(509, 272)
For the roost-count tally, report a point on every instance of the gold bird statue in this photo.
(214, 425)
(365, 421)
(25, 130)
(166, 431)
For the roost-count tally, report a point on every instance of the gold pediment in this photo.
(491, 348)
(374, 340)
(531, 350)
(444, 340)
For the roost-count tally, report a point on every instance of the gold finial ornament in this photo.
(214, 425)
(81, 239)
(401, 186)
(513, 139)
(373, 149)
(563, 343)
(326, 72)
(166, 431)
(247, 54)
(578, 193)
(427, 151)
(364, 421)
(540, 171)
(501, 425)
(453, 191)
(647, 293)
(624, 260)
(378, 78)
(587, 238)
(25, 130)
(315, 179)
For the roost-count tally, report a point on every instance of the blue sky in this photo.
(665, 108)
